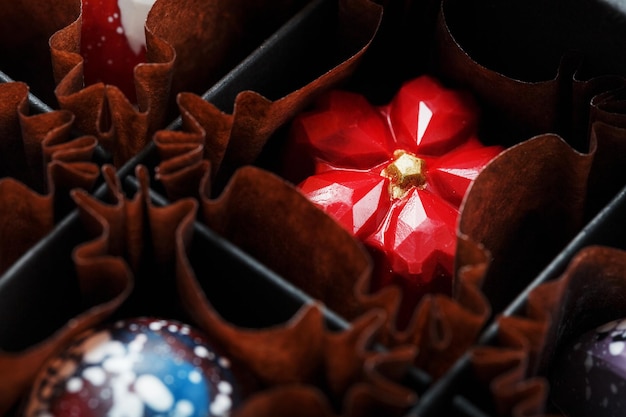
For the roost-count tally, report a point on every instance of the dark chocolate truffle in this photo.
(589, 375)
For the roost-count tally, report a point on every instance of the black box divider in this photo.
(36, 105)
(464, 408)
(29, 288)
(455, 388)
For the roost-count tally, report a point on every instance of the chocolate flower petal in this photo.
(115, 216)
(430, 120)
(256, 117)
(382, 370)
(57, 161)
(451, 174)
(87, 104)
(507, 370)
(344, 121)
(358, 200)
(49, 149)
(409, 227)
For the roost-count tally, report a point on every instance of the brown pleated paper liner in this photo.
(40, 163)
(229, 141)
(189, 44)
(137, 264)
(536, 192)
(587, 294)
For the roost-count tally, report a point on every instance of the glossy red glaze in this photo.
(431, 118)
(366, 134)
(108, 57)
(412, 238)
(358, 200)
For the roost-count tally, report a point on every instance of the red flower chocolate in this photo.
(395, 176)
(113, 41)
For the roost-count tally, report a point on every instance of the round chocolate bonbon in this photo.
(133, 368)
(588, 376)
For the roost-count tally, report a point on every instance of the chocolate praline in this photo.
(588, 377)
(134, 368)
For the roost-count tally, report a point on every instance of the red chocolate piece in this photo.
(395, 176)
(113, 41)
(589, 375)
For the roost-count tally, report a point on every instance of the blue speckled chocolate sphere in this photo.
(589, 376)
(134, 368)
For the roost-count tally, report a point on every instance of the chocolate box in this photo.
(192, 219)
